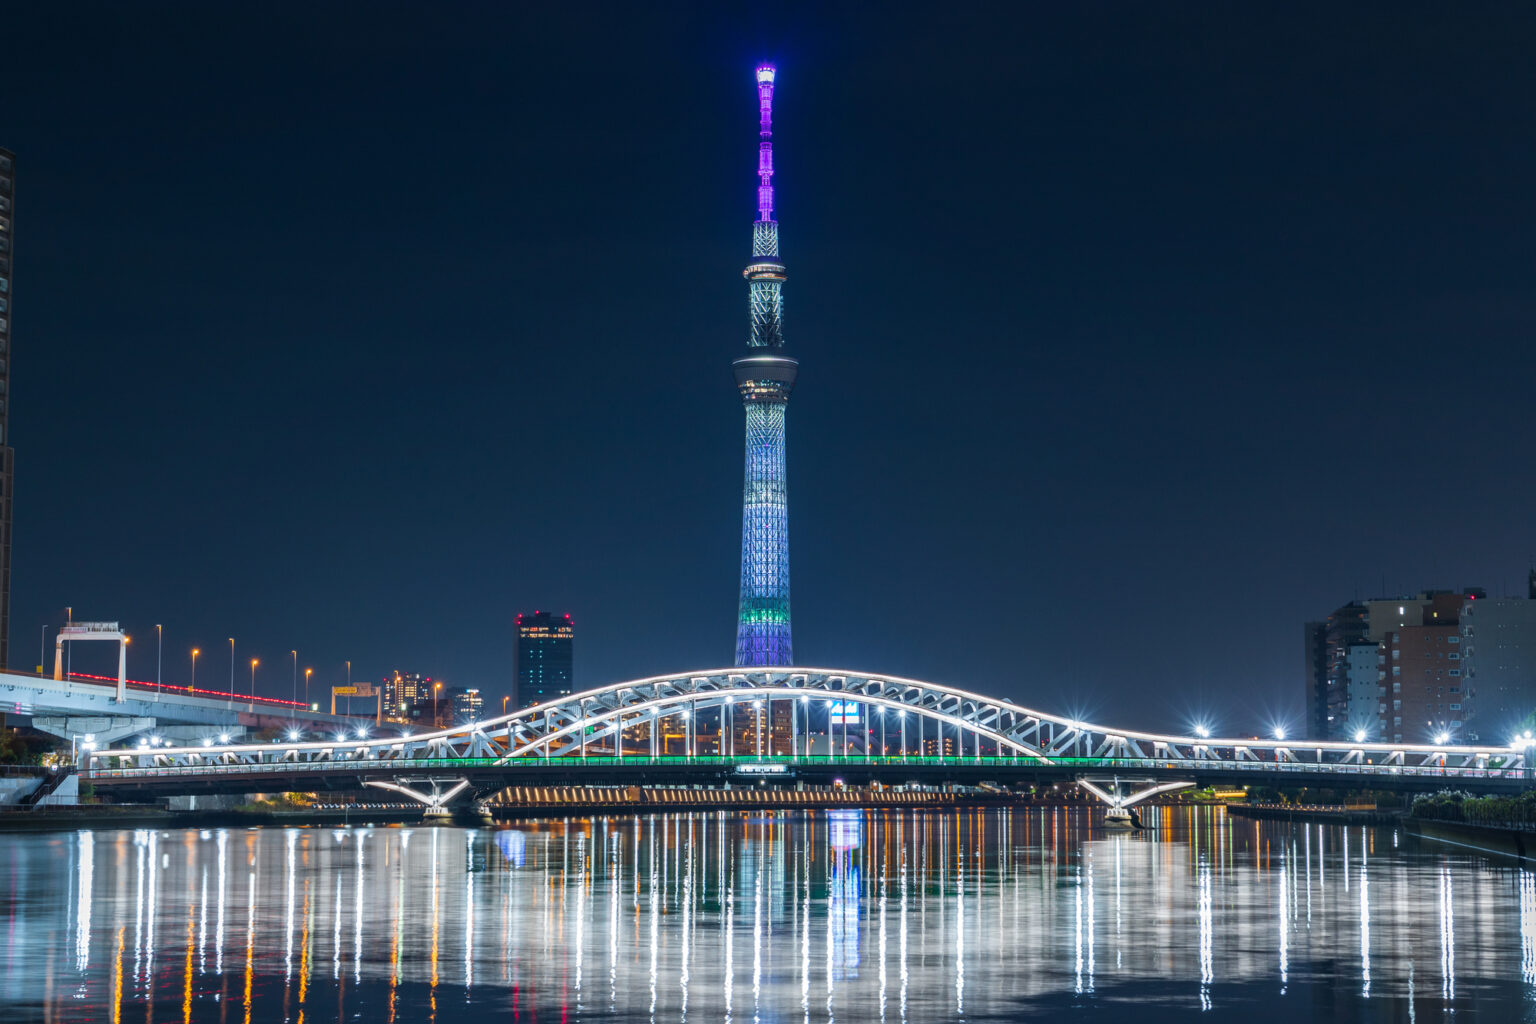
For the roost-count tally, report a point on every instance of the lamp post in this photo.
(159, 649)
(254, 663)
(292, 711)
(901, 715)
(195, 653)
(231, 670)
(307, 673)
(437, 701)
(42, 651)
(504, 703)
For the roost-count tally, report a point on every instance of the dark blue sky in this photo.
(1132, 335)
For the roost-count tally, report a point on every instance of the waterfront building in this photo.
(543, 662)
(1498, 665)
(765, 376)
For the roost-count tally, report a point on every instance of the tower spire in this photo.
(765, 376)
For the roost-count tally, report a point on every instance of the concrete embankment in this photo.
(1321, 814)
(1507, 842)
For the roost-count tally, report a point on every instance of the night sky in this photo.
(1131, 335)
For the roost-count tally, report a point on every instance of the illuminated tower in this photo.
(765, 376)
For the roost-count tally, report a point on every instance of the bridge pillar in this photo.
(1111, 791)
(102, 729)
(436, 802)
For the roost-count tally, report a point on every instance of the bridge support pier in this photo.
(436, 802)
(102, 729)
(1111, 790)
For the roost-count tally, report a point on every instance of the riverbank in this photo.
(1326, 814)
(1504, 842)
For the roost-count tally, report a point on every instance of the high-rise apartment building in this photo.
(403, 691)
(543, 658)
(7, 457)
(1498, 665)
(1401, 670)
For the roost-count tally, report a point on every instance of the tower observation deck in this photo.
(765, 376)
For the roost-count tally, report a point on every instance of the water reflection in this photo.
(843, 916)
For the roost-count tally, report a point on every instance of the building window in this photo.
(1455, 672)
(1453, 639)
(1455, 707)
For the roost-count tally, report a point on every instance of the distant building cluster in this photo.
(422, 700)
(1443, 666)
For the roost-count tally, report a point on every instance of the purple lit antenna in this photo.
(765, 148)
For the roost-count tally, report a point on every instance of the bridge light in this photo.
(1359, 735)
(207, 741)
(1279, 732)
(1441, 737)
(293, 734)
(804, 698)
(223, 737)
(1202, 731)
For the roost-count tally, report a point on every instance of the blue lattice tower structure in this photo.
(765, 376)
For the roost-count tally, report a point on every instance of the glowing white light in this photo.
(1279, 732)
(207, 741)
(1359, 735)
(1441, 737)
(223, 737)
(293, 734)
(1202, 731)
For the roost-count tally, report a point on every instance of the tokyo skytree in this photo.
(765, 376)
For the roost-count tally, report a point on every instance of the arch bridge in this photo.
(762, 726)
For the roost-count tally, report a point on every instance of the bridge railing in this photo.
(781, 765)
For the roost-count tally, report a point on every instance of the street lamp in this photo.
(1359, 735)
(1279, 732)
(231, 668)
(159, 648)
(307, 673)
(254, 663)
(195, 653)
(42, 651)
(292, 711)
(504, 703)
(1202, 730)
(437, 709)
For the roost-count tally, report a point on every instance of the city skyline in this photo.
(1090, 355)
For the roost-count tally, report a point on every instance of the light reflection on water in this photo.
(890, 916)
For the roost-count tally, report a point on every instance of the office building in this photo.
(543, 662)
(466, 704)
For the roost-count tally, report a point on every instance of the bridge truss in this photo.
(887, 723)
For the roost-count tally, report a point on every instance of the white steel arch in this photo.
(586, 724)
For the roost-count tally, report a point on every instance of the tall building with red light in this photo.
(543, 660)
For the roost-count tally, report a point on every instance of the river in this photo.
(833, 916)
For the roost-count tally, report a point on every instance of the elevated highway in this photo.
(81, 705)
